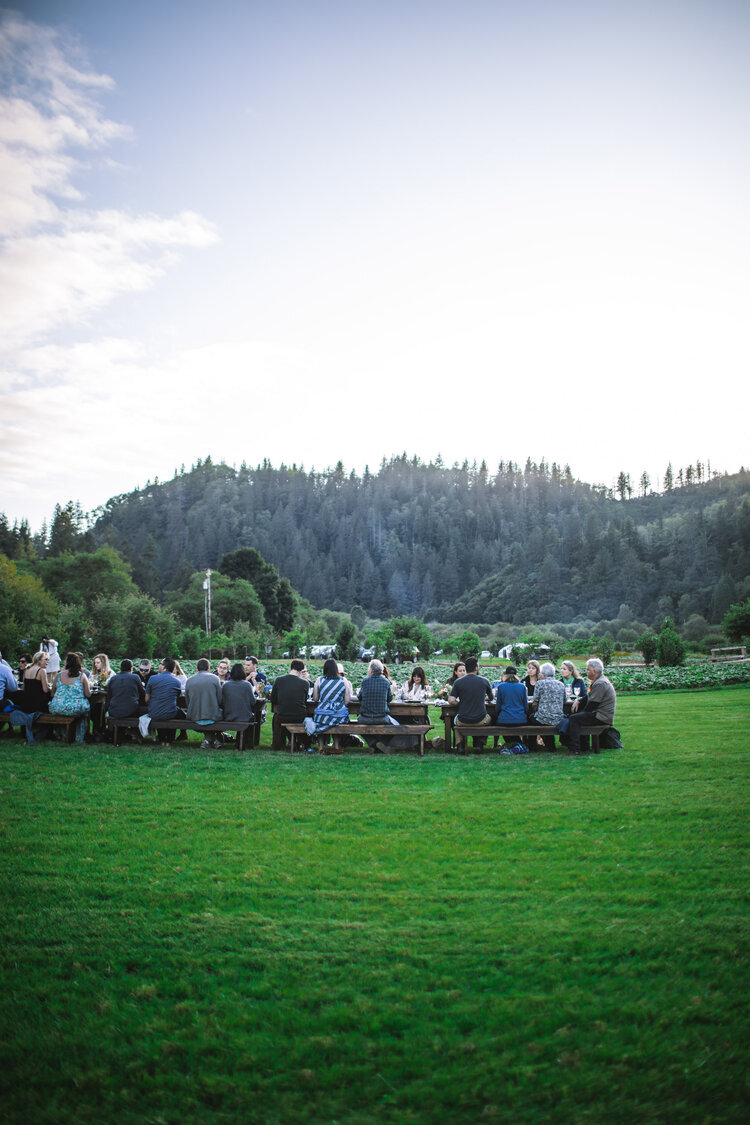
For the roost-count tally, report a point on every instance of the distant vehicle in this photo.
(321, 652)
(366, 655)
(507, 652)
(485, 654)
(438, 652)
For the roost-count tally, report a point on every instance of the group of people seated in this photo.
(229, 693)
(89, 695)
(538, 699)
(332, 693)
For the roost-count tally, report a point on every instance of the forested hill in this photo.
(452, 544)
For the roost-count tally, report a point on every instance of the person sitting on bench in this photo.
(599, 708)
(548, 704)
(8, 706)
(162, 693)
(512, 709)
(375, 694)
(238, 698)
(471, 692)
(203, 699)
(125, 695)
(289, 702)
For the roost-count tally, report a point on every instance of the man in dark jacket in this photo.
(289, 701)
(472, 693)
(125, 695)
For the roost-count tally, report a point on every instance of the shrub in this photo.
(606, 648)
(648, 644)
(670, 648)
(736, 623)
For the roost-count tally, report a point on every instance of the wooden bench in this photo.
(240, 729)
(492, 730)
(68, 722)
(383, 731)
(735, 654)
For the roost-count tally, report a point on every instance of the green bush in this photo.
(648, 644)
(736, 623)
(670, 648)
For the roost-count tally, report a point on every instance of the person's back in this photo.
(163, 691)
(512, 703)
(237, 701)
(549, 699)
(124, 693)
(289, 698)
(375, 694)
(472, 692)
(203, 695)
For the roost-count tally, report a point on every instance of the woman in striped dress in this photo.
(331, 694)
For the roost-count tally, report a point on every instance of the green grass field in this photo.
(203, 936)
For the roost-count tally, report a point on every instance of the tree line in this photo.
(456, 544)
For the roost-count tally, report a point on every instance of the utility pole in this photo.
(207, 606)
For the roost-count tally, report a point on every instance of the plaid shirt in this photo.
(375, 694)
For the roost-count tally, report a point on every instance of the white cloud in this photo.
(60, 262)
(130, 415)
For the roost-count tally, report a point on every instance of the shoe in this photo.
(520, 748)
(505, 750)
(205, 745)
(217, 743)
(381, 748)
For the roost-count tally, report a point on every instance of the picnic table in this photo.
(491, 730)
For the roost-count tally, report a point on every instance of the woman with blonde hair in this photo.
(101, 674)
(573, 682)
(37, 689)
(532, 677)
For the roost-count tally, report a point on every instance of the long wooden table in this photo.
(399, 710)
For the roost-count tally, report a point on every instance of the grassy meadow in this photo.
(212, 937)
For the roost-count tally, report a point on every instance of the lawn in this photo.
(208, 937)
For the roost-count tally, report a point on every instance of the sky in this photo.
(310, 231)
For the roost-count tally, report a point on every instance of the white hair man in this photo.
(548, 703)
(375, 694)
(600, 706)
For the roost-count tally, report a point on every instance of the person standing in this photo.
(49, 646)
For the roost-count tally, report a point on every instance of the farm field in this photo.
(208, 937)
